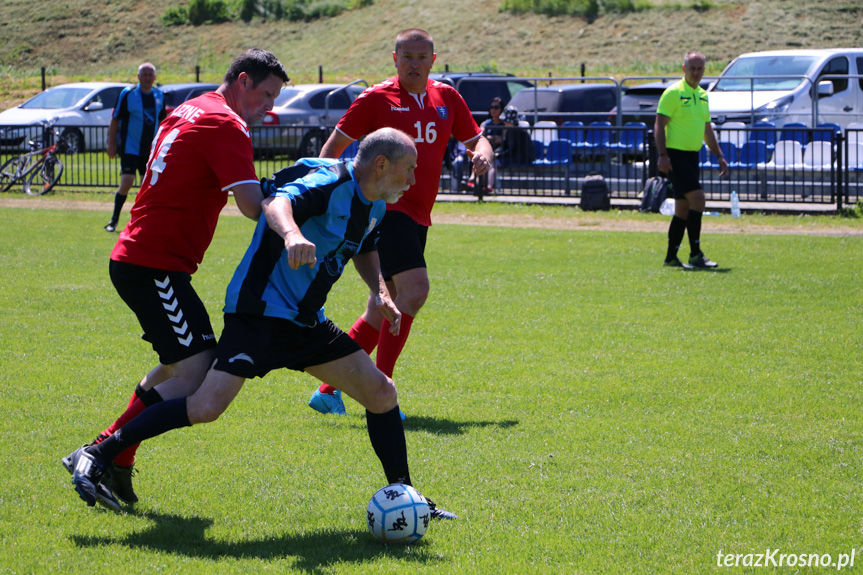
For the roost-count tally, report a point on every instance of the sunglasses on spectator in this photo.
(494, 107)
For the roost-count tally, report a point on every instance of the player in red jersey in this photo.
(201, 152)
(430, 112)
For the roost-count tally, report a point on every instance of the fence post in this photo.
(583, 70)
(320, 74)
(43, 78)
(840, 171)
(197, 73)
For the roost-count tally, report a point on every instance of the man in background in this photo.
(133, 125)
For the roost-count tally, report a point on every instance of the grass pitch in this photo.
(582, 408)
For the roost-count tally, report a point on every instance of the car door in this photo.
(97, 115)
(838, 107)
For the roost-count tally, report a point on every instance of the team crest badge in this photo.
(443, 112)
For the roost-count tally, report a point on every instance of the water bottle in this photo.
(735, 205)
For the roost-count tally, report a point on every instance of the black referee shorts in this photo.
(254, 345)
(402, 244)
(173, 317)
(684, 173)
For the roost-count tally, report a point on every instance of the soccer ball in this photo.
(397, 513)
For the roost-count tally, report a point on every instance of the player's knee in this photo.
(204, 411)
(410, 301)
(384, 396)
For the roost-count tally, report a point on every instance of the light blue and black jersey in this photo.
(139, 115)
(332, 213)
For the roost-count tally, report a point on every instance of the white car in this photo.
(82, 113)
(302, 118)
(782, 86)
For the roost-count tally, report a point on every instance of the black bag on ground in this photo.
(594, 193)
(655, 192)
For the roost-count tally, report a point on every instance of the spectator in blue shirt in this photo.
(130, 134)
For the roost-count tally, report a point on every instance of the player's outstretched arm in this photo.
(280, 218)
(369, 267)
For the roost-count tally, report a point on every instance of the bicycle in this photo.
(39, 166)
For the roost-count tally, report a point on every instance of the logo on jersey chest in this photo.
(443, 112)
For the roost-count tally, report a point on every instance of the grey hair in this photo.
(693, 54)
(387, 142)
(146, 65)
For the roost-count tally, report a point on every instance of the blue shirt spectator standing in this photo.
(130, 134)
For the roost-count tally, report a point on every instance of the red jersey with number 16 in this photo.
(200, 151)
(429, 119)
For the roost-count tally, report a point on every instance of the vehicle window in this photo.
(546, 101)
(478, 95)
(788, 72)
(286, 95)
(57, 98)
(338, 100)
(590, 100)
(838, 65)
(515, 87)
(108, 97)
(316, 101)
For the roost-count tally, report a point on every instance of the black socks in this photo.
(153, 421)
(387, 435)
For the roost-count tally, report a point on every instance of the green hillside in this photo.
(74, 38)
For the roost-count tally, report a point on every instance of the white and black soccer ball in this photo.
(397, 513)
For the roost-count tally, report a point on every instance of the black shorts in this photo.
(253, 345)
(402, 244)
(684, 173)
(169, 310)
(130, 164)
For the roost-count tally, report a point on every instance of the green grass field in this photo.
(583, 409)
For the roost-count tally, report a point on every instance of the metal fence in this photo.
(800, 165)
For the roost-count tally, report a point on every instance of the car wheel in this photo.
(73, 141)
(311, 144)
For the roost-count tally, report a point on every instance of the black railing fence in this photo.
(791, 164)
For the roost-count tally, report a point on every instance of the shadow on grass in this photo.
(449, 427)
(314, 551)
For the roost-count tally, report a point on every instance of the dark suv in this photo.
(569, 102)
(478, 88)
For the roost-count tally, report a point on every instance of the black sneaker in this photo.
(111, 227)
(119, 481)
(438, 513)
(676, 263)
(701, 261)
(87, 474)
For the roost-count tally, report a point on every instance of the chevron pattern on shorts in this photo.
(175, 313)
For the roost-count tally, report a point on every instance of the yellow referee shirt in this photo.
(688, 112)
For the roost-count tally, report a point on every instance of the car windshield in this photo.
(57, 98)
(786, 73)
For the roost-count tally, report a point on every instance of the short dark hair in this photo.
(412, 34)
(258, 64)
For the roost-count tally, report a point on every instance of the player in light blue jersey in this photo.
(319, 214)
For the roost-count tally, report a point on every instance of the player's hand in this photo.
(300, 250)
(481, 164)
(723, 167)
(663, 164)
(112, 149)
(389, 310)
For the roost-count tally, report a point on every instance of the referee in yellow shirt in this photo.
(682, 124)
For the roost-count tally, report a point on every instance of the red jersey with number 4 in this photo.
(429, 119)
(200, 151)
